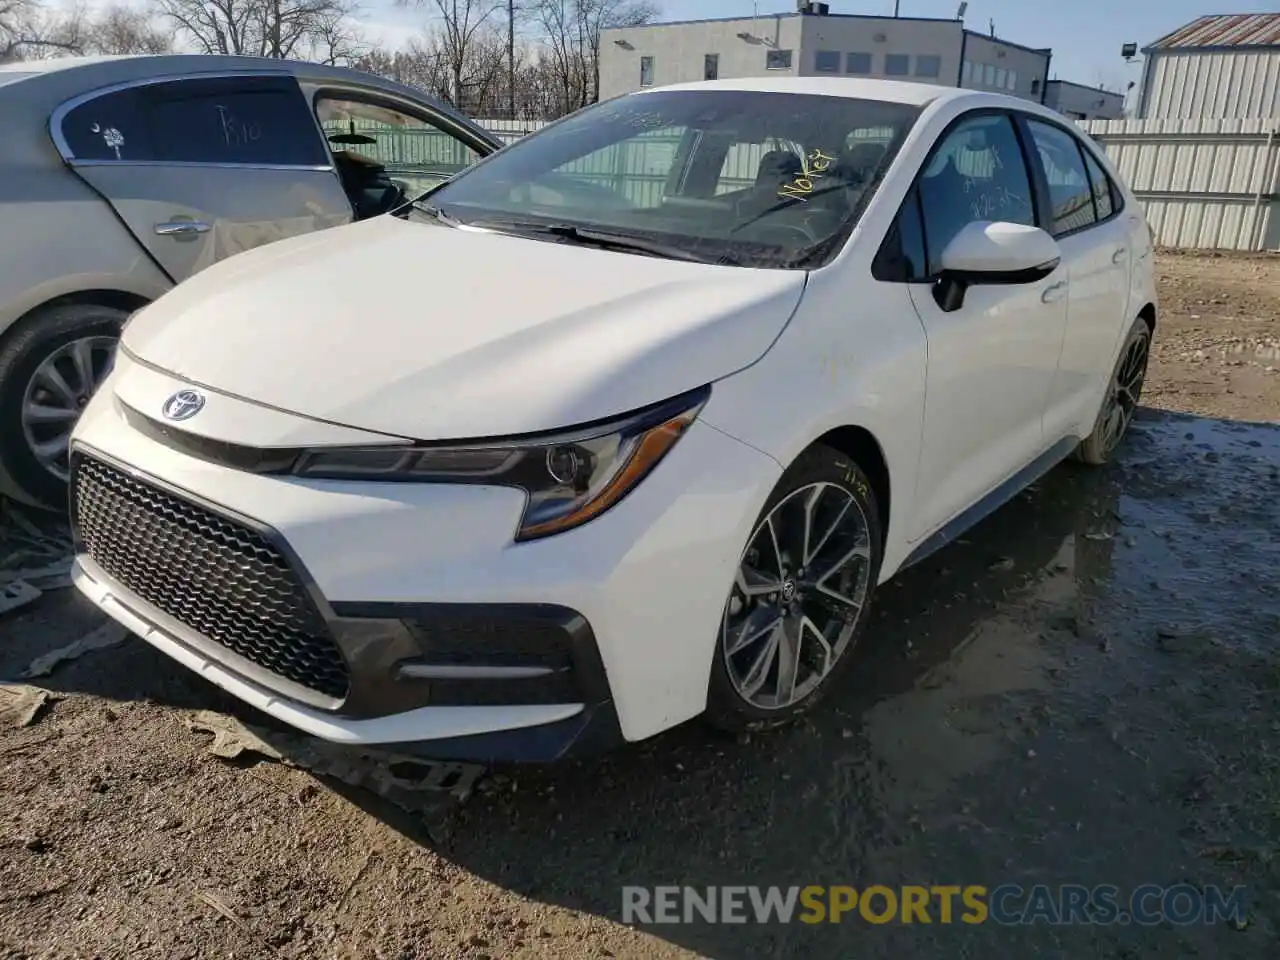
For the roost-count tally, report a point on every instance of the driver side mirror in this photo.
(993, 253)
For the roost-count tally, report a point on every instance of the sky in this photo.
(1085, 35)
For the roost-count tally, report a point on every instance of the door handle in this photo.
(1055, 291)
(182, 228)
(1119, 255)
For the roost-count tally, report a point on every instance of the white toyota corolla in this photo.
(622, 425)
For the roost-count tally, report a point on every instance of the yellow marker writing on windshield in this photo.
(812, 168)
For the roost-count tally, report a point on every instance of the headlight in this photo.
(570, 477)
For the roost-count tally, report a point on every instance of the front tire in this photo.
(50, 366)
(800, 597)
(1121, 402)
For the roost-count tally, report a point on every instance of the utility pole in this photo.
(511, 59)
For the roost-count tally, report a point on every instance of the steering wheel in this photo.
(785, 234)
(580, 190)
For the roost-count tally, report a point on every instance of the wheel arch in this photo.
(1148, 315)
(861, 445)
(99, 297)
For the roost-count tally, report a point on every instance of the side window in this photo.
(1101, 183)
(410, 149)
(235, 120)
(1069, 191)
(902, 257)
(239, 120)
(976, 174)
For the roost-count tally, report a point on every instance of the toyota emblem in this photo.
(183, 405)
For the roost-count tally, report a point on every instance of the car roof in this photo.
(892, 91)
(37, 87)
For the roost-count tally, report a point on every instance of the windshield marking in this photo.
(811, 168)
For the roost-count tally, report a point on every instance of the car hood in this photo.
(432, 332)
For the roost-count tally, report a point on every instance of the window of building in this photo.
(966, 72)
(711, 66)
(897, 65)
(857, 63)
(1001, 76)
(646, 71)
(1013, 80)
(1069, 190)
(777, 60)
(1035, 87)
(827, 61)
(976, 174)
(928, 66)
(988, 75)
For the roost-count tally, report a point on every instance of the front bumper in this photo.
(455, 641)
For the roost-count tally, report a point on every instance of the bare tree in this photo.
(265, 28)
(458, 37)
(28, 30)
(123, 30)
(571, 31)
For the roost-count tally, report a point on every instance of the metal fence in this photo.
(1205, 184)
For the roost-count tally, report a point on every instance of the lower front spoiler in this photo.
(499, 733)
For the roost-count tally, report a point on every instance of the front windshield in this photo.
(731, 176)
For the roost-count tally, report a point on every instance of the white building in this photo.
(814, 42)
(1215, 68)
(1079, 102)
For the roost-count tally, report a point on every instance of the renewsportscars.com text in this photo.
(1065, 904)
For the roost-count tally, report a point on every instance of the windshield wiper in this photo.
(435, 213)
(609, 240)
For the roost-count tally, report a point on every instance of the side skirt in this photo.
(993, 501)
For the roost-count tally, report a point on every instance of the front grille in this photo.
(221, 579)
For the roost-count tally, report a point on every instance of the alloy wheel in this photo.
(56, 395)
(1126, 391)
(803, 580)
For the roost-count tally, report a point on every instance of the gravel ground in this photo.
(1083, 690)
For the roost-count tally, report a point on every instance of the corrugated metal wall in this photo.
(1242, 84)
(1205, 184)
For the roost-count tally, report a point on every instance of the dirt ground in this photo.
(1085, 689)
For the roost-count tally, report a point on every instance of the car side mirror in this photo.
(993, 253)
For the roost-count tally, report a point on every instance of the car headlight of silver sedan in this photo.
(570, 477)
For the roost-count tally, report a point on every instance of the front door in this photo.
(377, 141)
(204, 167)
(991, 362)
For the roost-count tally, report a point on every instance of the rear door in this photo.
(1095, 241)
(204, 167)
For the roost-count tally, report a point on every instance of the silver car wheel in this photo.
(1125, 392)
(794, 605)
(57, 393)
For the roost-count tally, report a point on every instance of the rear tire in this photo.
(50, 365)
(801, 595)
(1124, 390)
